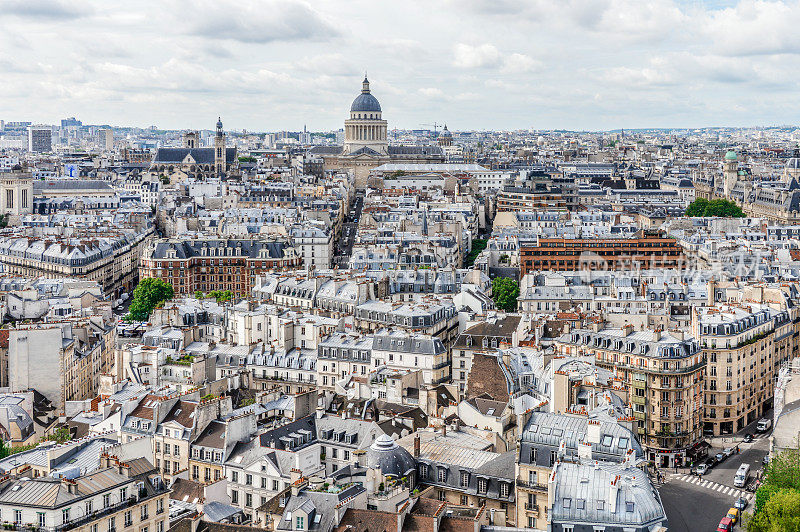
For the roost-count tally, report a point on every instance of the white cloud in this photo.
(520, 63)
(755, 27)
(480, 56)
(279, 64)
(256, 21)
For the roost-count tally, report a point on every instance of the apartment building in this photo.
(664, 374)
(487, 336)
(429, 316)
(343, 354)
(540, 449)
(461, 468)
(403, 351)
(106, 254)
(124, 496)
(745, 344)
(62, 360)
(215, 264)
(648, 249)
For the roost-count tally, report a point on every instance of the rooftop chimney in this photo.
(416, 446)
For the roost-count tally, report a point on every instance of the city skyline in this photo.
(272, 66)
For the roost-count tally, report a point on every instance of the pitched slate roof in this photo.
(200, 155)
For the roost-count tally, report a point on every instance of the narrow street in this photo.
(344, 244)
(698, 503)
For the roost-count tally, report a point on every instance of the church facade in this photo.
(366, 142)
(191, 160)
(777, 201)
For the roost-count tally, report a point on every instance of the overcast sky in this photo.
(268, 65)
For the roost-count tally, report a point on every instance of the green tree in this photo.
(505, 292)
(781, 513)
(783, 470)
(199, 295)
(777, 504)
(697, 207)
(221, 295)
(148, 294)
(478, 245)
(718, 207)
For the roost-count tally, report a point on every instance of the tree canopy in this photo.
(718, 207)
(478, 245)
(505, 292)
(777, 506)
(149, 294)
(221, 295)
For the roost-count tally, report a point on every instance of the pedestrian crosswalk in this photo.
(713, 486)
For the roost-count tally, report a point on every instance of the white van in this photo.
(741, 475)
(764, 425)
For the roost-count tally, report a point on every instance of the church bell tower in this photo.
(219, 148)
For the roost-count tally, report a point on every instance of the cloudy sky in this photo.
(268, 65)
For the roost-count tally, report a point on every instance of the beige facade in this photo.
(16, 194)
(745, 344)
(62, 360)
(115, 267)
(664, 376)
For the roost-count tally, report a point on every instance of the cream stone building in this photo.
(62, 360)
(745, 343)
(663, 372)
(366, 142)
(16, 193)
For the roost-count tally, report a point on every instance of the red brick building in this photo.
(216, 264)
(647, 249)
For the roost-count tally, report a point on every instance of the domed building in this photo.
(366, 142)
(775, 200)
(390, 458)
(445, 137)
(365, 129)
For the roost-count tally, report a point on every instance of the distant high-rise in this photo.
(105, 138)
(71, 122)
(40, 139)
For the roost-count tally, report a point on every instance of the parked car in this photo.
(748, 438)
(740, 504)
(733, 515)
(711, 462)
(720, 457)
(726, 525)
(765, 460)
(702, 469)
(729, 451)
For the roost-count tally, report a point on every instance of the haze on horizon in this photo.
(270, 65)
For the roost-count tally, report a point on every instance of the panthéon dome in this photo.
(365, 102)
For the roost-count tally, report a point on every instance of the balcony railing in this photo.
(80, 521)
(531, 485)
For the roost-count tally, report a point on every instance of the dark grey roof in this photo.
(62, 185)
(217, 511)
(365, 102)
(194, 248)
(416, 150)
(326, 150)
(291, 436)
(200, 155)
(389, 457)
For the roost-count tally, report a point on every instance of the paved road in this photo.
(694, 503)
(344, 246)
(692, 508)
